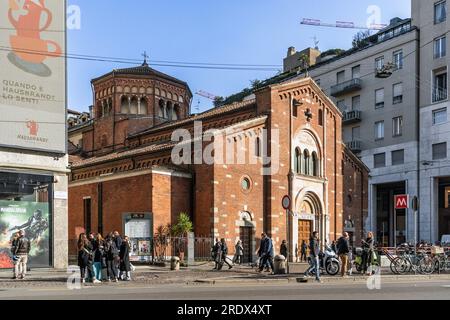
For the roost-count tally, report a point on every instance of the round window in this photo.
(246, 184)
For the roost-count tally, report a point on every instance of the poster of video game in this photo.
(33, 218)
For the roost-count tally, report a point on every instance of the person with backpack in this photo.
(21, 249)
(343, 249)
(112, 256)
(266, 252)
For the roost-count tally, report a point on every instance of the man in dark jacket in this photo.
(343, 248)
(266, 252)
(215, 253)
(224, 254)
(314, 249)
(20, 252)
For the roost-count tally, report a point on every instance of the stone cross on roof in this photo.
(145, 55)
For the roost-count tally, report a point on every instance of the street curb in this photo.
(311, 280)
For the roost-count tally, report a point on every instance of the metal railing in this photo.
(351, 116)
(354, 145)
(345, 87)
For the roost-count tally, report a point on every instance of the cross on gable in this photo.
(146, 56)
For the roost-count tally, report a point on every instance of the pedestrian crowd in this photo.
(104, 259)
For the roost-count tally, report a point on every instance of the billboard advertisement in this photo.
(33, 218)
(33, 75)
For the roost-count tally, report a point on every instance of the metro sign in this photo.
(402, 201)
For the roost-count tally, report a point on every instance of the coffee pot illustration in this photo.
(29, 51)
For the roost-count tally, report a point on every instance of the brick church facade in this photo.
(285, 139)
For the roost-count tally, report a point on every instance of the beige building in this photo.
(375, 88)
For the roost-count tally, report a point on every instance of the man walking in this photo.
(265, 252)
(343, 248)
(215, 253)
(224, 255)
(314, 249)
(20, 253)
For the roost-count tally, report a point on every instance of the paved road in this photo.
(418, 290)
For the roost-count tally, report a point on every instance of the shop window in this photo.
(25, 204)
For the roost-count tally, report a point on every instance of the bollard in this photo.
(175, 264)
(279, 265)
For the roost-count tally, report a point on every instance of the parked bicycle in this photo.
(409, 261)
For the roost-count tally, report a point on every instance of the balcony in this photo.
(350, 117)
(346, 87)
(355, 146)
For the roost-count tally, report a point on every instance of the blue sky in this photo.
(232, 31)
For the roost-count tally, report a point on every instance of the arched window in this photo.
(134, 105)
(124, 105)
(315, 165)
(298, 161)
(320, 117)
(169, 110)
(161, 109)
(99, 110)
(258, 147)
(143, 107)
(176, 112)
(306, 162)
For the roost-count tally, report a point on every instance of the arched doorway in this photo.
(247, 236)
(309, 219)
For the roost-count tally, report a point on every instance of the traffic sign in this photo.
(402, 201)
(286, 202)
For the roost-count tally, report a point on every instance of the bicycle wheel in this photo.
(427, 265)
(401, 265)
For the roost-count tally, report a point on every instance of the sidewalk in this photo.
(199, 274)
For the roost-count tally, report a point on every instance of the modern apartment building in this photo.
(375, 86)
(432, 20)
(396, 118)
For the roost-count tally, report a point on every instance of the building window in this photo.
(340, 77)
(379, 160)
(321, 117)
(379, 98)
(440, 151)
(356, 72)
(318, 82)
(356, 133)
(341, 105)
(246, 184)
(379, 63)
(440, 86)
(258, 147)
(306, 163)
(398, 157)
(87, 209)
(315, 164)
(298, 161)
(356, 103)
(398, 93)
(440, 116)
(440, 12)
(379, 130)
(397, 126)
(440, 47)
(398, 59)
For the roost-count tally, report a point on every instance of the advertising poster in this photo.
(33, 75)
(33, 218)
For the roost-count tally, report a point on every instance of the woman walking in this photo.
(85, 258)
(368, 247)
(112, 256)
(125, 266)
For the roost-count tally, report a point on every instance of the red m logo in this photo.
(401, 202)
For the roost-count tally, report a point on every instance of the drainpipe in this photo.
(418, 132)
(290, 180)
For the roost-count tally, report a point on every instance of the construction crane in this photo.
(341, 24)
(207, 95)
